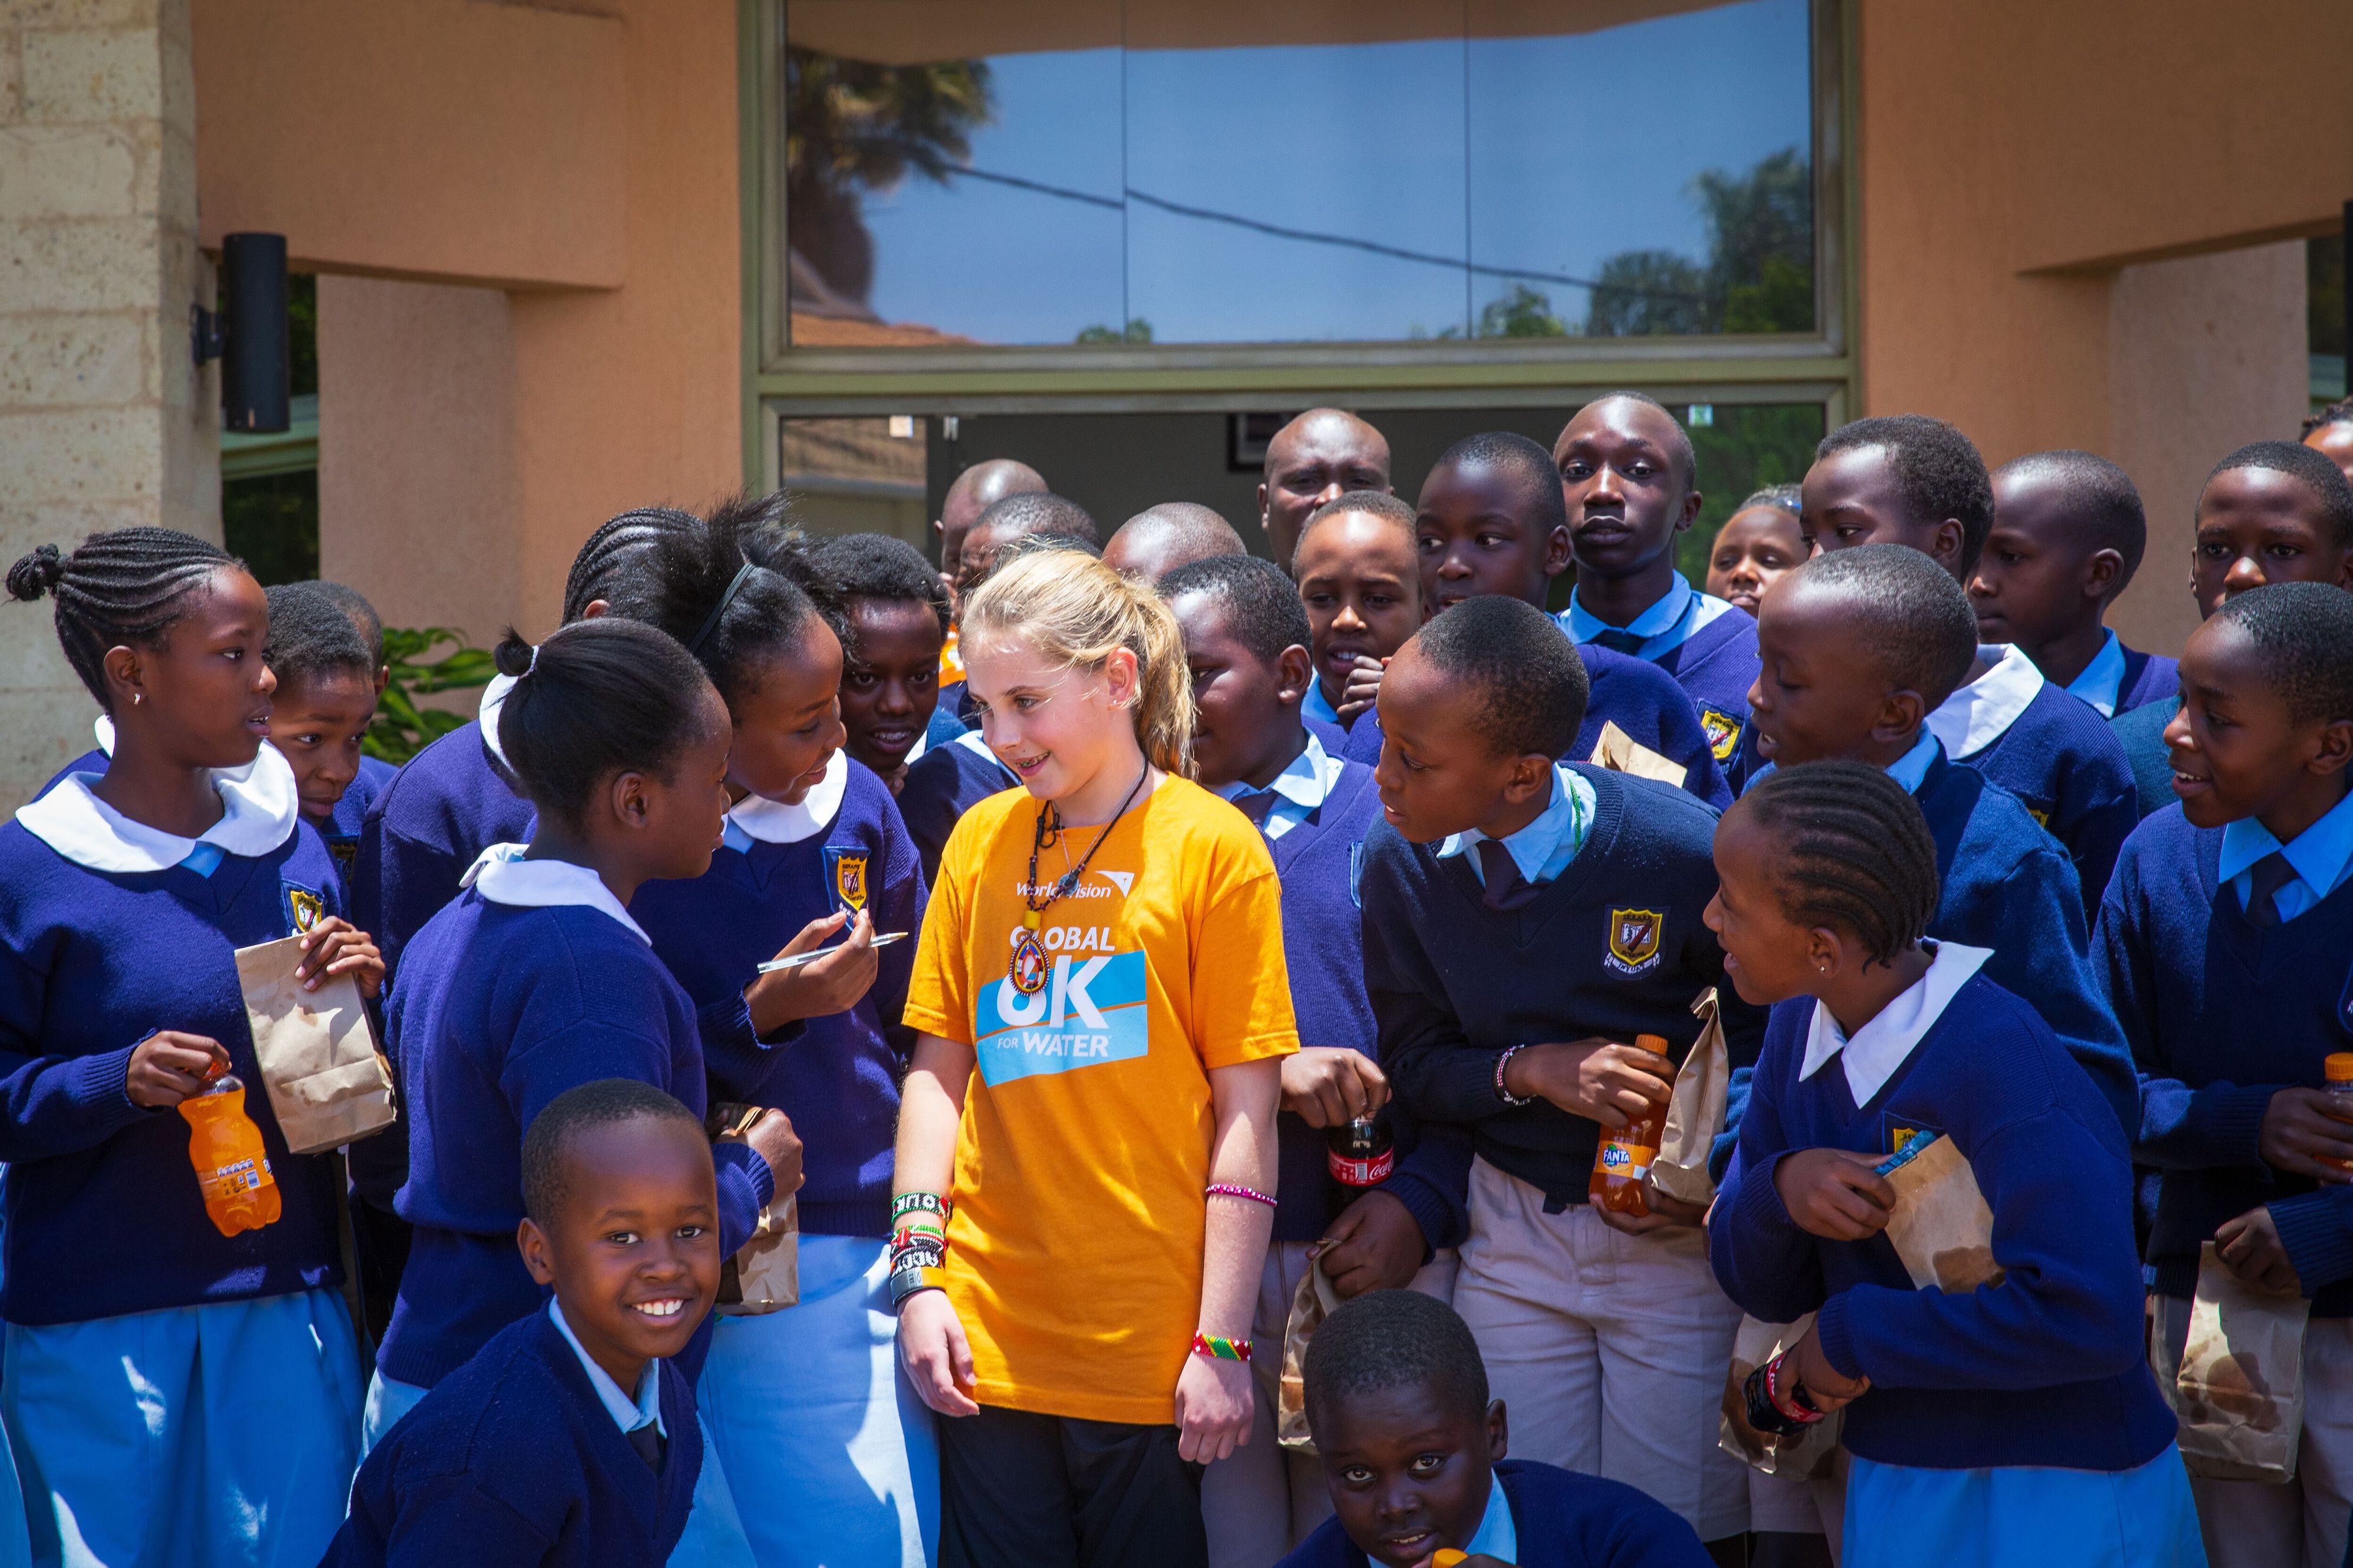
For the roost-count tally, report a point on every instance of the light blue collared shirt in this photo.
(1498, 1536)
(1315, 705)
(2320, 853)
(1299, 789)
(1666, 626)
(1543, 849)
(628, 1414)
(2103, 679)
(1907, 770)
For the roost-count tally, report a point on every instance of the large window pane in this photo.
(1040, 172)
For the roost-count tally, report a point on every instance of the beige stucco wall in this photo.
(105, 421)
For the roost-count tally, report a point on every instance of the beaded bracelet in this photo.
(905, 1203)
(1505, 1095)
(1217, 1347)
(1236, 1190)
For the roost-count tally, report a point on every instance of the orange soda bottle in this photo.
(1625, 1155)
(2338, 1070)
(232, 1167)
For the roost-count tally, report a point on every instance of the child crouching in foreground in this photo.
(2014, 1422)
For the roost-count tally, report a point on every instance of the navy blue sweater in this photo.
(1323, 947)
(423, 830)
(104, 1215)
(837, 1077)
(1715, 665)
(515, 1460)
(350, 817)
(1454, 983)
(2060, 760)
(2046, 1368)
(1563, 1519)
(2149, 677)
(2220, 1014)
(500, 1009)
(943, 784)
(2141, 734)
(1639, 696)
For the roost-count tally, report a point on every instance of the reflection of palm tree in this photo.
(1760, 272)
(854, 126)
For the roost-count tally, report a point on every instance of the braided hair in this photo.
(1855, 852)
(736, 589)
(600, 697)
(615, 563)
(116, 588)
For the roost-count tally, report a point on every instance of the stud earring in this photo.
(137, 698)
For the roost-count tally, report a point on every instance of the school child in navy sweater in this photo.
(173, 1394)
(2273, 512)
(802, 1402)
(1359, 579)
(1524, 920)
(1246, 642)
(1859, 647)
(2068, 534)
(1412, 1450)
(1491, 520)
(894, 608)
(1909, 480)
(321, 710)
(569, 1439)
(536, 979)
(2223, 944)
(1757, 547)
(2013, 1423)
(1631, 483)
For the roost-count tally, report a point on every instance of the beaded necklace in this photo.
(1026, 968)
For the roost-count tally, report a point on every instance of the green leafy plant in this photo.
(401, 727)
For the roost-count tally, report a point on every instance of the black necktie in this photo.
(1506, 889)
(648, 1441)
(2271, 874)
(1616, 641)
(1256, 805)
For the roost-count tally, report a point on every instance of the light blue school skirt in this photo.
(1900, 1515)
(828, 1448)
(212, 1436)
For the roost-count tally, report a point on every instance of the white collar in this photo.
(1886, 1042)
(494, 696)
(502, 875)
(104, 731)
(628, 1413)
(1980, 713)
(1304, 783)
(774, 822)
(914, 752)
(258, 809)
(972, 741)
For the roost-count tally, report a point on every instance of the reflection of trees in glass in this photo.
(1139, 330)
(853, 126)
(1742, 450)
(1525, 312)
(1759, 273)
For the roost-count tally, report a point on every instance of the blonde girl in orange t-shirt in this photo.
(1086, 1150)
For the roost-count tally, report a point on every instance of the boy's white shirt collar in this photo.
(1978, 714)
(774, 822)
(259, 808)
(628, 1413)
(1306, 782)
(502, 875)
(1886, 1043)
(972, 741)
(494, 695)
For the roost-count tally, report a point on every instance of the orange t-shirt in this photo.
(1074, 1256)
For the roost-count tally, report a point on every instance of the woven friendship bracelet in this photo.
(1217, 1347)
(906, 1204)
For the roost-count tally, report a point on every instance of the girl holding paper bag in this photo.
(2012, 1423)
(173, 1394)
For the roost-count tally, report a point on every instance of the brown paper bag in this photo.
(1803, 1457)
(1621, 753)
(1940, 1225)
(1309, 1305)
(2239, 1391)
(764, 1275)
(328, 1085)
(1695, 1114)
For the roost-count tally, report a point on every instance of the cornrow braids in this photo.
(124, 586)
(1856, 853)
(616, 563)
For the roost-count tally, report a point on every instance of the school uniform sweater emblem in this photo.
(850, 877)
(1723, 732)
(304, 907)
(1634, 939)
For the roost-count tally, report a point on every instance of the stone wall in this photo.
(105, 421)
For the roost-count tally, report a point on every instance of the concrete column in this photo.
(104, 420)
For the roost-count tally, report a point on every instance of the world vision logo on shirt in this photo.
(304, 907)
(1090, 1011)
(1723, 732)
(1634, 939)
(848, 877)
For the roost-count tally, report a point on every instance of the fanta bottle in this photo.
(1625, 1155)
(2338, 1068)
(232, 1167)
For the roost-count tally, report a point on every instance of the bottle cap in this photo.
(2339, 1067)
(1651, 1043)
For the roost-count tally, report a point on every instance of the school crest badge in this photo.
(1723, 732)
(304, 907)
(2041, 814)
(849, 878)
(1634, 939)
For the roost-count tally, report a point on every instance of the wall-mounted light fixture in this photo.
(249, 334)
